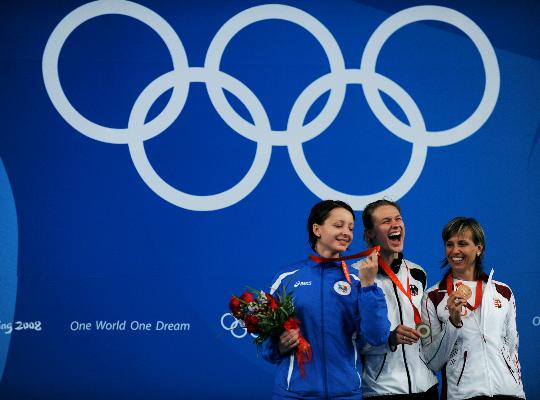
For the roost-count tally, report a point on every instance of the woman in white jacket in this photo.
(473, 322)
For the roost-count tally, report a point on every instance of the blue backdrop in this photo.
(159, 156)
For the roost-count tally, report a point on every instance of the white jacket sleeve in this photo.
(512, 337)
(511, 330)
(439, 344)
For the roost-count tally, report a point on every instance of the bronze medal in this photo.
(465, 291)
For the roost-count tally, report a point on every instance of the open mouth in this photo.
(394, 237)
(457, 259)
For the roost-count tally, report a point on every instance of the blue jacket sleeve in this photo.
(373, 323)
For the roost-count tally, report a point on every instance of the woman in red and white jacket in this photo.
(473, 338)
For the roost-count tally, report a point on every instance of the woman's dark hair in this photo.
(367, 216)
(456, 227)
(319, 213)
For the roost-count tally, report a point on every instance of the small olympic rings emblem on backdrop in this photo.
(236, 326)
(260, 131)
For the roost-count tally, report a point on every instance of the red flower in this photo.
(267, 316)
(235, 307)
(247, 297)
(251, 322)
(272, 302)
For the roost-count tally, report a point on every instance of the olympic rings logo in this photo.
(260, 131)
(236, 326)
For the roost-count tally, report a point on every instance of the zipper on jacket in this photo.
(382, 366)
(402, 346)
(484, 350)
(325, 380)
(462, 368)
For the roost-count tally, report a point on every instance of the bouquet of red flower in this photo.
(266, 316)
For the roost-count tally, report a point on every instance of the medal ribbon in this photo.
(344, 267)
(478, 294)
(386, 268)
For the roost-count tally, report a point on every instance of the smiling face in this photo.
(388, 231)
(335, 234)
(461, 253)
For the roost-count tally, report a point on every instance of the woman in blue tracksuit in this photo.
(339, 313)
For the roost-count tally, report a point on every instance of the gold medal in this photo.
(423, 329)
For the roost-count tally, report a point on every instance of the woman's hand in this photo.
(455, 303)
(404, 335)
(368, 269)
(288, 340)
